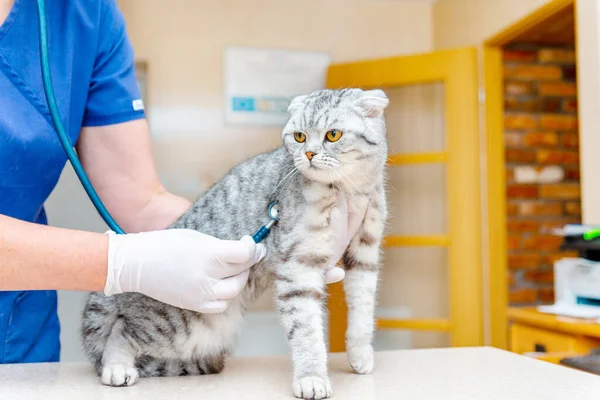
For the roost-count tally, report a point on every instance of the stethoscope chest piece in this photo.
(273, 213)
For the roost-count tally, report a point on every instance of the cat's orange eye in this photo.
(300, 137)
(333, 135)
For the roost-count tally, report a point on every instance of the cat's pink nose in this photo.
(310, 155)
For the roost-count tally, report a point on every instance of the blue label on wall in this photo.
(243, 104)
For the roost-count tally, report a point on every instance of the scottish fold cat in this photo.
(334, 142)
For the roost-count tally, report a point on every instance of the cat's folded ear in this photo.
(372, 103)
(295, 103)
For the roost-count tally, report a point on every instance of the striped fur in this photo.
(129, 336)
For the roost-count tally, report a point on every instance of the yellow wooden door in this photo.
(454, 73)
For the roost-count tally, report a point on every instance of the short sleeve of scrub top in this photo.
(93, 74)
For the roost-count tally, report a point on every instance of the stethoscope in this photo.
(272, 210)
(273, 213)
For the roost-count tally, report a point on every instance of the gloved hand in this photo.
(181, 267)
(345, 223)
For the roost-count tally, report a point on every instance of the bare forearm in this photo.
(37, 257)
(160, 212)
(118, 159)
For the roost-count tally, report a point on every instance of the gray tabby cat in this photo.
(334, 141)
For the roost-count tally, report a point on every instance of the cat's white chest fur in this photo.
(357, 202)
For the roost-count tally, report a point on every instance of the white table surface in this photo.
(469, 373)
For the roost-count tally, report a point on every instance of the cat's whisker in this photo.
(362, 174)
(359, 171)
(284, 178)
(358, 190)
(348, 188)
(340, 180)
(290, 180)
(285, 184)
(335, 181)
(352, 191)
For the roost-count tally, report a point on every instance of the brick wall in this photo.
(542, 165)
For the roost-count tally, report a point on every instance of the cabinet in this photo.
(549, 337)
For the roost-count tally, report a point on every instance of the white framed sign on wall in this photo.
(260, 83)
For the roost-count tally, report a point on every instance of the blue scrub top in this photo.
(93, 72)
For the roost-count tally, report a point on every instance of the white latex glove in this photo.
(181, 267)
(345, 223)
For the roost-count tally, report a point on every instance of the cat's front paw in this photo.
(119, 375)
(361, 359)
(312, 387)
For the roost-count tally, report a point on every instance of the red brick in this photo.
(542, 242)
(513, 139)
(519, 121)
(511, 278)
(573, 208)
(522, 191)
(523, 296)
(533, 72)
(558, 122)
(534, 139)
(563, 89)
(572, 174)
(525, 105)
(522, 226)
(552, 258)
(546, 295)
(560, 191)
(549, 105)
(569, 106)
(509, 174)
(557, 56)
(557, 157)
(569, 72)
(513, 155)
(519, 55)
(540, 208)
(512, 209)
(517, 88)
(540, 276)
(569, 140)
(514, 242)
(525, 260)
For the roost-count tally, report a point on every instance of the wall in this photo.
(182, 41)
(542, 164)
(588, 72)
(460, 23)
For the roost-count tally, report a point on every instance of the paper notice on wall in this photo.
(260, 83)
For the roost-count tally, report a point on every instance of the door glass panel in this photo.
(416, 196)
(414, 280)
(415, 118)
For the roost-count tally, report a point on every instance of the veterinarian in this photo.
(92, 63)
